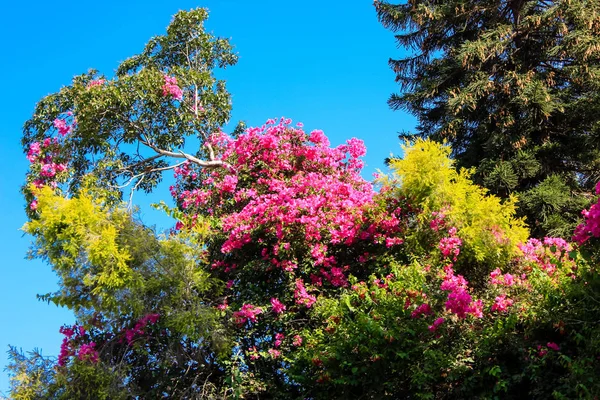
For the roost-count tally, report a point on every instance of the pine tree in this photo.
(513, 86)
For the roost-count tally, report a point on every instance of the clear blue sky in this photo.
(320, 62)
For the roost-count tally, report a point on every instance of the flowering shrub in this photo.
(49, 166)
(591, 225)
(327, 281)
(287, 275)
(170, 88)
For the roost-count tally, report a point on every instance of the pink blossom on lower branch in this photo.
(450, 246)
(423, 309)
(61, 126)
(278, 339)
(459, 300)
(275, 353)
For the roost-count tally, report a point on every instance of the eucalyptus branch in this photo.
(141, 174)
(212, 163)
(133, 189)
(142, 162)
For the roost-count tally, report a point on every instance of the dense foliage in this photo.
(514, 87)
(286, 274)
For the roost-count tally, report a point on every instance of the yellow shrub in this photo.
(487, 226)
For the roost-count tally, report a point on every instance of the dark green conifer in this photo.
(514, 87)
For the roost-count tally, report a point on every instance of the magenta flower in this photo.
(501, 303)
(275, 353)
(62, 126)
(301, 295)
(553, 346)
(278, 306)
(96, 82)
(297, 340)
(140, 326)
(170, 88)
(248, 312)
(278, 339)
(436, 324)
(423, 309)
(87, 352)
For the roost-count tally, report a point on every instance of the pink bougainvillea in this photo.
(548, 253)
(496, 278)
(140, 327)
(459, 300)
(277, 306)
(436, 324)
(294, 192)
(95, 82)
(87, 352)
(76, 343)
(553, 346)
(450, 246)
(302, 296)
(591, 224)
(297, 340)
(501, 303)
(48, 165)
(278, 339)
(62, 126)
(423, 309)
(170, 88)
(248, 312)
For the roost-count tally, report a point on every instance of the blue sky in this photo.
(321, 63)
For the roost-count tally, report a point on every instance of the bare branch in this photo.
(133, 177)
(133, 189)
(203, 163)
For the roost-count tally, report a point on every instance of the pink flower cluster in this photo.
(497, 278)
(62, 127)
(95, 82)
(278, 306)
(170, 88)
(44, 156)
(290, 189)
(501, 303)
(140, 327)
(591, 224)
(275, 353)
(302, 296)
(548, 253)
(423, 309)
(278, 339)
(87, 352)
(436, 324)
(248, 312)
(459, 300)
(74, 335)
(438, 221)
(543, 350)
(297, 340)
(450, 246)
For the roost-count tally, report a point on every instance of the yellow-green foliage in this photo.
(78, 236)
(487, 226)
